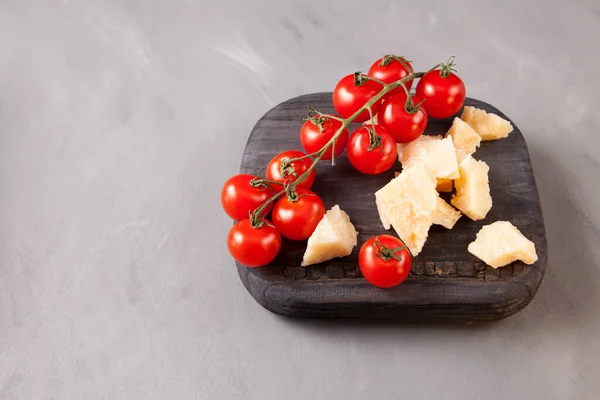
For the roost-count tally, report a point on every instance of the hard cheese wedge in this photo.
(433, 152)
(501, 243)
(407, 204)
(488, 126)
(472, 189)
(463, 136)
(444, 214)
(334, 236)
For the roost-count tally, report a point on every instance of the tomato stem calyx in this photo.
(448, 67)
(385, 253)
(410, 107)
(360, 78)
(317, 119)
(262, 183)
(388, 58)
(292, 195)
(374, 138)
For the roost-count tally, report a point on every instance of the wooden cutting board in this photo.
(446, 284)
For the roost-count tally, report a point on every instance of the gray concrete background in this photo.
(119, 122)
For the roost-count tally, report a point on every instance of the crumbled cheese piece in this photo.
(444, 214)
(488, 126)
(334, 236)
(433, 152)
(407, 204)
(472, 189)
(463, 136)
(501, 243)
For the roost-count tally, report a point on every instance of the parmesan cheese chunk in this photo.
(433, 152)
(472, 189)
(334, 236)
(488, 126)
(444, 214)
(407, 204)
(463, 136)
(501, 243)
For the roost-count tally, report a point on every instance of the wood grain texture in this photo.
(446, 284)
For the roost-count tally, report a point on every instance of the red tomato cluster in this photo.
(255, 241)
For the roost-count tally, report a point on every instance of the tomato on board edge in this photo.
(299, 167)
(444, 96)
(253, 247)
(349, 97)
(381, 265)
(404, 126)
(239, 197)
(379, 159)
(391, 68)
(313, 139)
(297, 220)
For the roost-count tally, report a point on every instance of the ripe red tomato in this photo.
(384, 261)
(352, 92)
(297, 220)
(444, 95)
(253, 247)
(383, 151)
(317, 131)
(403, 125)
(239, 197)
(296, 169)
(391, 68)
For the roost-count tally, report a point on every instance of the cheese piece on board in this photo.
(472, 189)
(444, 185)
(334, 236)
(444, 214)
(435, 153)
(463, 136)
(407, 204)
(501, 243)
(488, 126)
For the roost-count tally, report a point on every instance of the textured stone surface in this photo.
(120, 120)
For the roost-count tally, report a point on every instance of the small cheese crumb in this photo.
(472, 189)
(488, 126)
(444, 185)
(501, 243)
(407, 204)
(463, 136)
(334, 236)
(444, 214)
(433, 152)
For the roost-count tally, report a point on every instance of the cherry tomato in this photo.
(443, 91)
(297, 220)
(253, 247)
(380, 158)
(404, 126)
(239, 197)
(317, 131)
(384, 261)
(296, 169)
(391, 68)
(353, 92)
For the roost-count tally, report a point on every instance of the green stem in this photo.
(386, 88)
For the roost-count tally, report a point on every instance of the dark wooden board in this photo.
(446, 284)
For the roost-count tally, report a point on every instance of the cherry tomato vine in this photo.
(386, 88)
